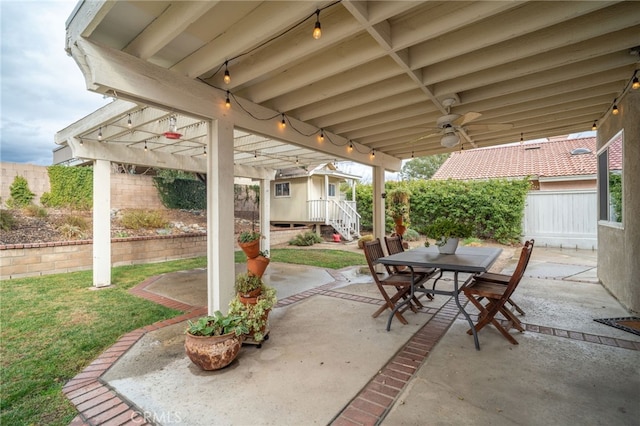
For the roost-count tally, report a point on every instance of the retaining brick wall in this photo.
(28, 260)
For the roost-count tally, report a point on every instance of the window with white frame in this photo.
(283, 189)
(332, 190)
(610, 180)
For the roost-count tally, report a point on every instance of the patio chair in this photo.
(496, 296)
(504, 278)
(401, 283)
(394, 245)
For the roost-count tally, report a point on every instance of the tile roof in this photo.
(542, 159)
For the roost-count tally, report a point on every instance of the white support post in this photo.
(378, 202)
(101, 223)
(265, 213)
(326, 199)
(220, 228)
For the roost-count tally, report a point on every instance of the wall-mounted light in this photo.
(317, 30)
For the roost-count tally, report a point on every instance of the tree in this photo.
(423, 167)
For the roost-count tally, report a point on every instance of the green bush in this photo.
(495, 207)
(7, 221)
(138, 219)
(411, 235)
(21, 195)
(364, 239)
(70, 187)
(75, 222)
(181, 193)
(309, 238)
(71, 232)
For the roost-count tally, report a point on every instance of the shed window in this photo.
(282, 189)
(332, 190)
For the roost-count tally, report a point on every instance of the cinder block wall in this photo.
(127, 191)
(28, 260)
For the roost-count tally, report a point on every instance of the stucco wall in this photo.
(619, 247)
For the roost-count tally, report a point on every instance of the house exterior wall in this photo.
(619, 246)
(290, 209)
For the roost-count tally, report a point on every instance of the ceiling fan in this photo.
(450, 125)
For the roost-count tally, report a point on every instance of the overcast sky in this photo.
(42, 89)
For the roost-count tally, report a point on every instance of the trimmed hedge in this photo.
(495, 207)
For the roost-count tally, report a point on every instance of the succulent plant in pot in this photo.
(249, 242)
(248, 285)
(213, 342)
(447, 232)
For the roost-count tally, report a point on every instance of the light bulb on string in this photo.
(321, 137)
(317, 30)
(373, 153)
(227, 101)
(129, 121)
(100, 134)
(145, 146)
(635, 84)
(350, 146)
(227, 76)
(615, 110)
(205, 151)
(521, 138)
(283, 123)
(297, 160)
(595, 125)
(81, 143)
(411, 154)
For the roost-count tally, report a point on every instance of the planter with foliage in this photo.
(213, 342)
(249, 242)
(248, 287)
(447, 233)
(255, 317)
(397, 200)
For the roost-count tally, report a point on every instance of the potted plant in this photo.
(248, 287)
(398, 207)
(447, 233)
(257, 265)
(213, 342)
(255, 317)
(249, 242)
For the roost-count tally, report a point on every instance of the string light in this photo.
(227, 76)
(317, 31)
(283, 123)
(145, 146)
(411, 154)
(297, 159)
(373, 153)
(350, 146)
(521, 138)
(129, 121)
(205, 151)
(255, 154)
(227, 102)
(595, 125)
(81, 143)
(100, 133)
(321, 137)
(615, 109)
(635, 84)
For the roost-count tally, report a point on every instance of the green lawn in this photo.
(55, 325)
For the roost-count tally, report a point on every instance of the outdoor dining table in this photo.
(472, 260)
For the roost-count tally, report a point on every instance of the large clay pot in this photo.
(257, 265)
(212, 352)
(251, 249)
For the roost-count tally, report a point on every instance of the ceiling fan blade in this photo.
(489, 127)
(466, 118)
(424, 137)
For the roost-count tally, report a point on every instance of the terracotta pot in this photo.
(212, 352)
(257, 265)
(397, 220)
(401, 229)
(251, 249)
(250, 298)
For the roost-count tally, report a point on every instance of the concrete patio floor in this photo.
(327, 361)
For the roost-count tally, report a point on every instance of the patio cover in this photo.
(374, 84)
